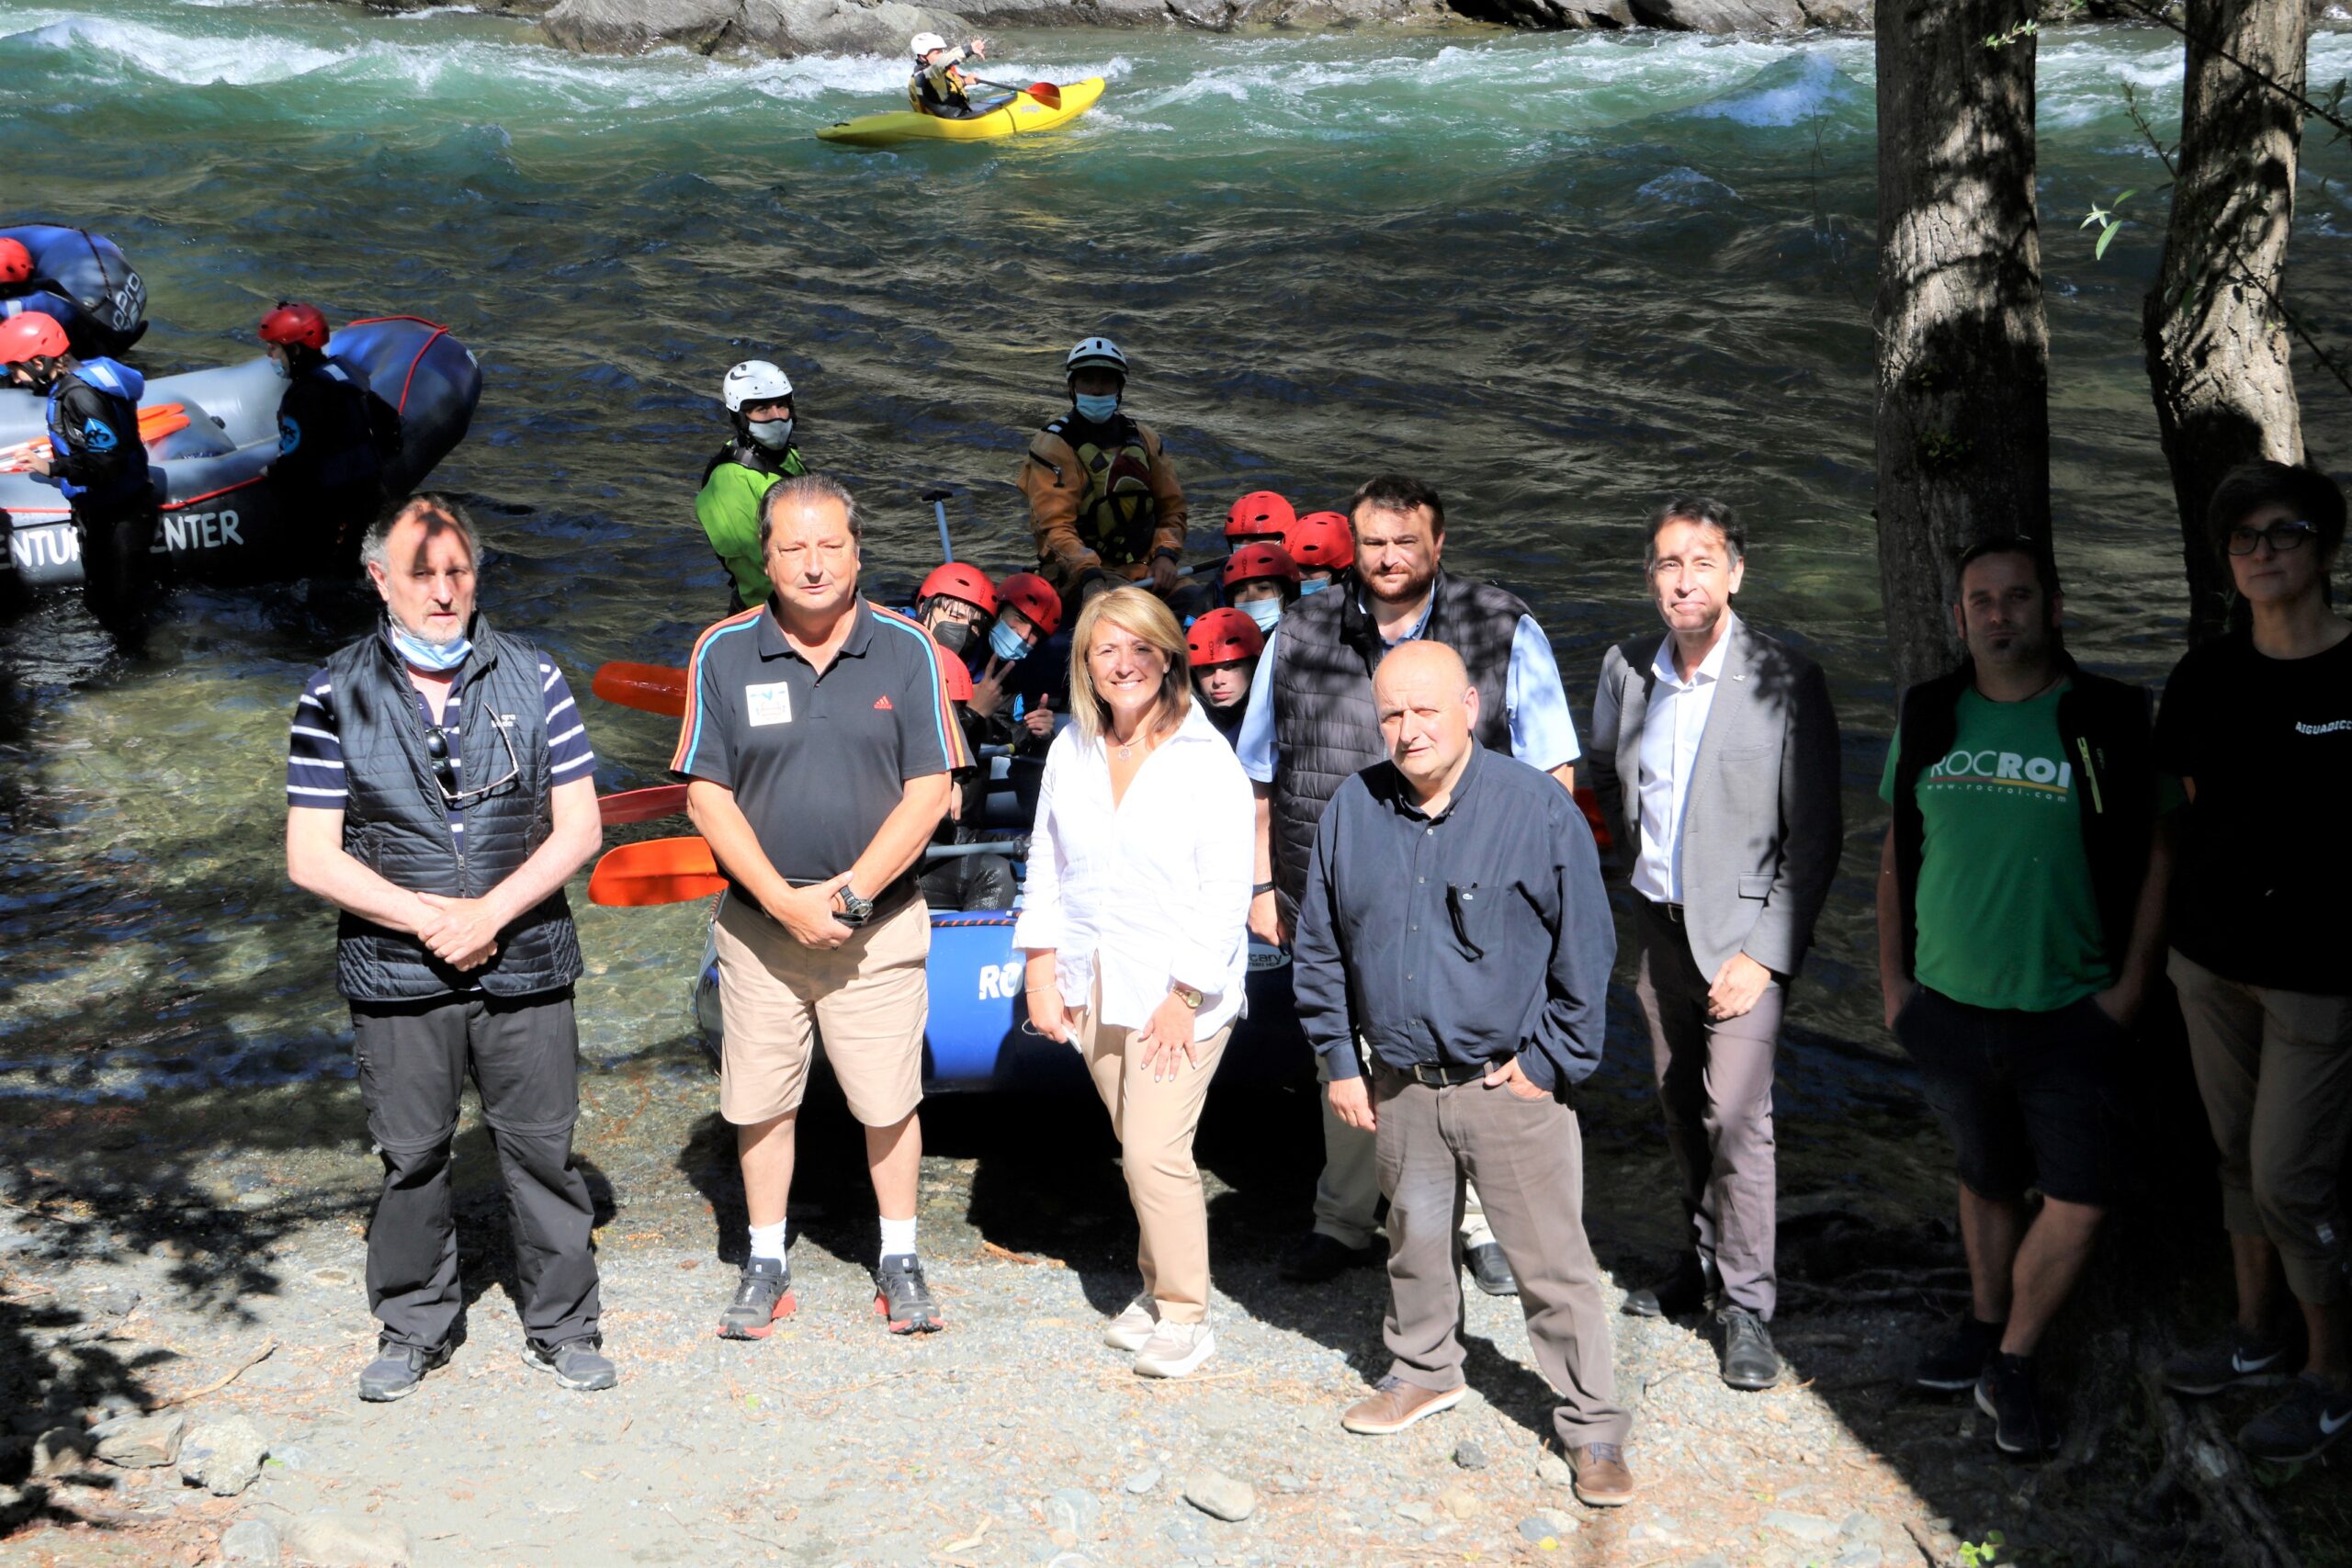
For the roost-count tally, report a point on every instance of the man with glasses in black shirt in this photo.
(440, 790)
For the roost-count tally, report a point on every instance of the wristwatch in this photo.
(1174, 558)
(855, 911)
(1187, 995)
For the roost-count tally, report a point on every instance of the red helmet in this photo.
(1221, 637)
(291, 322)
(957, 679)
(32, 335)
(1033, 597)
(1262, 511)
(1259, 559)
(958, 581)
(16, 261)
(1322, 541)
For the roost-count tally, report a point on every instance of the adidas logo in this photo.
(882, 703)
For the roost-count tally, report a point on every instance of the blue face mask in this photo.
(1007, 644)
(1313, 585)
(775, 435)
(1263, 613)
(1095, 410)
(437, 659)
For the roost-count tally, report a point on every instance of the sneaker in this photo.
(902, 1298)
(1320, 1257)
(397, 1370)
(1688, 1290)
(2010, 1393)
(1750, 1360)
(578, 1364)
(1955, 1363)
(2313, 1414)
(1490, 1269)
(1175, 1349)
(763, 1296)
(1132, 1327)
(2236, 1355)
(1598, 1477)
(1395, 1405)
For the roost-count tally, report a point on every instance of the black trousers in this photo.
(524, 1054)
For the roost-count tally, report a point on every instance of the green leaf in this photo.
(2098, 252)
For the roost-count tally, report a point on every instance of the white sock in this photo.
(897, 1237)
(767, 1241)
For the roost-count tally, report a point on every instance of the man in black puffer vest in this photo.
(440, 791)
(1312, 726)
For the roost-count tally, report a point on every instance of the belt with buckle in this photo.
(1446, 1075)
(1670, 913)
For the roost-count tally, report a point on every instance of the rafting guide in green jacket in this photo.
(758, 396)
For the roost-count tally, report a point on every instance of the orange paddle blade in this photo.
(155, 422)
(650, 688)
(642, 805)
(658, 871)
(1046, 93)
(1590, 804)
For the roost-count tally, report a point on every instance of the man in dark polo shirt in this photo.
(817, 744)
(1454, 916)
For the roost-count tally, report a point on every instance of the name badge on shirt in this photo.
(769, 703)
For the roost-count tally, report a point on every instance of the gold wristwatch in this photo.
(1187, 995)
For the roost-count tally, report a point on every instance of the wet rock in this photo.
(1469, 1455)
(1220, 1496)
(1678, 15)
(61, 1451)
(1807, 1527)
(1142, 1481)
(345, 1540)
(770, 26)
(1459, 1502)
(250, 1541)
(223, 1455)
(141, 1442)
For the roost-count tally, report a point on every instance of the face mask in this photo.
(1264, 613)
(280, 368)
(1007, 644)
(436, 658)
(775, 435)
(1094, 409)
(953, 635)
(1313, 585)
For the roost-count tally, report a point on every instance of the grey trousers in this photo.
(1714, 1082)
(1347, 1192)
(1527, 1157)
(524, 1054)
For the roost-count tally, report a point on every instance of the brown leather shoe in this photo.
(1601, 1478)
(1397, 1405)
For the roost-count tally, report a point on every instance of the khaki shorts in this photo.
(867, 998)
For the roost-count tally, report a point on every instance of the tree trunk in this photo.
(1963, 350)
(2217, 341)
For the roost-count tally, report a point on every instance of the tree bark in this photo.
(2216, 338)
(1963, 350)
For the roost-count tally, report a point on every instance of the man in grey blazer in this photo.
(1714, 754)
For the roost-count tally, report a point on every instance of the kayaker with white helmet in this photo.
(94, 459)
(1103, 500)
(937, 88)
(758, 396)
(334, 434)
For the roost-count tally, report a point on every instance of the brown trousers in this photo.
(1527, 1157)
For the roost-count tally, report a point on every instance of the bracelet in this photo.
(1261, 889)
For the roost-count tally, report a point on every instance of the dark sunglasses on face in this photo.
(2283, 536)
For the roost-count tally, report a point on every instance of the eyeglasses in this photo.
(445, 767)
(2283, 536)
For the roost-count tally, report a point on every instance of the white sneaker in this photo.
(1132, 1328)
(1175, 1349)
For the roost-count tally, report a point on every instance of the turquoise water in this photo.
(1559, 276)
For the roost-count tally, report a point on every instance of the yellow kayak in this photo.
(1021, 114)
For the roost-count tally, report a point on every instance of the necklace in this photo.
(1127, 749)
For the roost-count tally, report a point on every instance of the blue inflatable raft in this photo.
(82, 280)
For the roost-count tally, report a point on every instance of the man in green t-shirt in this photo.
(758, 396)
(2020, 901)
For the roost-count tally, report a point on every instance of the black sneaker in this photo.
(763, 1295)
(1688, 1290)
(2236, 1355)
(2010, 1393)
(1955, 1363)
(397, 1370)
(1490, 1269)
(2313, 1414)
(1750, 1360)
(578, 1364)
(902, 1298)
(1320, 1257)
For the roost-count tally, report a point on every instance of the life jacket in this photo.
(100, 387)
(330, 435)
(1326, 728)
(924, 95)
(1120, 513)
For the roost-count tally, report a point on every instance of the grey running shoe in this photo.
(762, 1296)
(1750, 1360)
(1955, 1363)
(902, 1298)
(2313, 1414)
(2010, 1393)
(578, 1364)
(397, 1370)
(2236, 1355)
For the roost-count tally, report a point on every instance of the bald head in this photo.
(1428, 710)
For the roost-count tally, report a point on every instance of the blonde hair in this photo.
(1142, 615)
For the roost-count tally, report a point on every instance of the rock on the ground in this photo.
(1220, 1496)
(345, 1540)
(1546, 1524)
(1804, 1527)
(61, 1451)
(141, 1442)
(1469, 1455)
(250, 1541)
(1142, 1481)
(1073, 1509)
(1459, 1502)
(222, 1456)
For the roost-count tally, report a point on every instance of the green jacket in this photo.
(729, 510)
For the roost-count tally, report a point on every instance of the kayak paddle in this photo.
(1044, 93)
(658, 871)
(155, 422)
(650, 688)
(642, 805)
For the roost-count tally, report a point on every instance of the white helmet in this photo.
(925, 42)
(754, 381)
(1093, 353)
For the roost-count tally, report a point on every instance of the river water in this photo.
(1559, 276)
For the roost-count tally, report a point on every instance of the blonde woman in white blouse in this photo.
(1134, 924)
